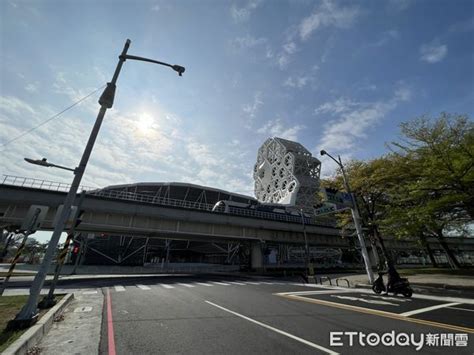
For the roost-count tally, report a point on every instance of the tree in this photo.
(436, 195)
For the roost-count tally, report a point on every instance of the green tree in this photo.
(436, 193)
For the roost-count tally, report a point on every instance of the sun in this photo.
(145, 124)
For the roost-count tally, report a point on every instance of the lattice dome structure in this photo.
(286, 173)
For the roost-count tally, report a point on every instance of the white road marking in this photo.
(167, 286)
(235, 283)
(119, 288)
(220, 283)
(253, 283)
(415, 296)
(268, 283)
(427, 309)
(204, 284)
(89, 292)
(313, 292)
(294, 337)
(143, 287)
(391, 298)
(462, 309)
(186, 285)
(364, 300)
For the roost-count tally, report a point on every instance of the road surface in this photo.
(247, 316)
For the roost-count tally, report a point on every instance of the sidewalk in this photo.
(78, 331)
(431, 280)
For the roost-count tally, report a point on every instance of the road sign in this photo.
(337, 197)
(70, 218)
(328, 208)
(35, 216)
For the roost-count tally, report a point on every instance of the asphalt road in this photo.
(246, 316)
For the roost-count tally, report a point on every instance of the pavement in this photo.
(214, 314)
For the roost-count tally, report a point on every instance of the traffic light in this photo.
(74, 252)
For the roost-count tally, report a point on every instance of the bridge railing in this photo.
(131, 196)
(40, 184)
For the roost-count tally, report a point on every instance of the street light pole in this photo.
(29, 313)
(355, 217)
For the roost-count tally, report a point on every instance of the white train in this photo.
(226, 206)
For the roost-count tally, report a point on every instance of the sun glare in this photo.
(145, 124)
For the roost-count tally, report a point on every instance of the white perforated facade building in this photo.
(286, 173)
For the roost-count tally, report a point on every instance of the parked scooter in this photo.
(399, 286)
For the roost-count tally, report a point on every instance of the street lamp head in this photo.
(179, 69)
(42, 162)
(323, 152)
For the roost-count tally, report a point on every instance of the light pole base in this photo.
(311, 279)
(17, 324)
(47, 302)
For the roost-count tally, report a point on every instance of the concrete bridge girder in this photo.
(134, 218)
(124, 217)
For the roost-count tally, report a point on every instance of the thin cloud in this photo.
(386, 37)
(242, 14)
(328, 14)
(399, 5)
(32, 87)
(297, 82)
(353, 121)
(276, 128)
(247, 42)
(251, 109)
(433, 52)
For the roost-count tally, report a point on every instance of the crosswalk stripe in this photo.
(235, 283)
(119, 288)
(143, 287)
(220, 283)
(167, 286)
(186, 285)
(204, 284)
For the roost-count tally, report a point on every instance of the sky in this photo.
(333, 75)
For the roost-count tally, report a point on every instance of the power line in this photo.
(51, 118)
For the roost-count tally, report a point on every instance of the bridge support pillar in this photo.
(256, 256)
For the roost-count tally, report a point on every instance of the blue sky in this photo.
(334, 75)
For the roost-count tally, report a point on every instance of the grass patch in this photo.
(428, 271)
(9, 307)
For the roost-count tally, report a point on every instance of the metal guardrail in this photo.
(130, 196)
(40, 184)
(348, 284)
(325, 277)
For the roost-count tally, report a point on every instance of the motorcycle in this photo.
(399, 286)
